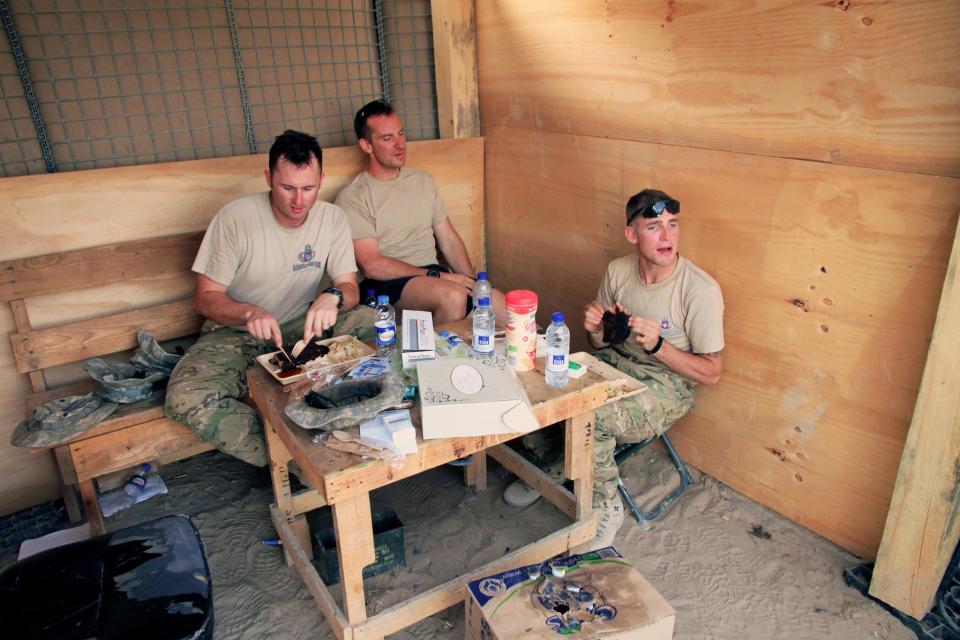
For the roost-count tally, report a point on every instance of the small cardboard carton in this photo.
(417, 341)
(594, 595)
(461, 397)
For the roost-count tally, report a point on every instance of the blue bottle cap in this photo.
(557, 316)
(382, 300)
(484, 301)
(481, 275)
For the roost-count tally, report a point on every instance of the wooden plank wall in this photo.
(815, 148)
(51, 213)
(922, 527)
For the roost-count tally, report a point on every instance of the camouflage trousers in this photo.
(669, 396)
(206, 387)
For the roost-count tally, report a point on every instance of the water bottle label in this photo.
(482, 344)
(557, 362)
(386, 334)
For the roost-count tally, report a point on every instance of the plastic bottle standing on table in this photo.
(481, 288)
(484, 326)
(558, 351)
(371, 299)
(386, 327)
(521, 329)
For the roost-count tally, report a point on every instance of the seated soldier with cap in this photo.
(675, 341)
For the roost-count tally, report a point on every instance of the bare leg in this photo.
(446, 300)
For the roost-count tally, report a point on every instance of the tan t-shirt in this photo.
(272, 266)
(688, 305)
(400, 214)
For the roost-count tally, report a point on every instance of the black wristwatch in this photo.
(337, 293)
(433, 272)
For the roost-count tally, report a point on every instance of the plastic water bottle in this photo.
(371, 299)
(386, 326)
(137, 482)
(484, 326)
(558, 351)
(481, 288)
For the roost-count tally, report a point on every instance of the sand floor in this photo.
(704, 556)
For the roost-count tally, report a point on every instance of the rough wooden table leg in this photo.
(92, 505)
(280, 475)
(353, 526)
(578, 463)
(476, 471)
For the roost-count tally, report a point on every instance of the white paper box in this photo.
(416, 337)
(472, 397)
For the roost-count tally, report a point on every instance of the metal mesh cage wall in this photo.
(133, 82)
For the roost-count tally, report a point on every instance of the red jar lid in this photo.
(522, 301)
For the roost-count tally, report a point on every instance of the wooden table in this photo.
(344, 481)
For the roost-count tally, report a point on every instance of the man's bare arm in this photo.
(350, 289)
(704, 368)
(453, 249)
(378, 266)
(211, 301)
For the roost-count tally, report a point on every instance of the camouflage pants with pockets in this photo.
(206, 387)
(669, 396)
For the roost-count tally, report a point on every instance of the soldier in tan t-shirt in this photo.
(675, 342)
(398, 220)
(259, 270)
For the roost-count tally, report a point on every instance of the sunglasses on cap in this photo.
(656, 208)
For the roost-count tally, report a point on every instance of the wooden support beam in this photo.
(353, 526)
(578, 435)
(922, 529)
(455, 63)
(300, 558)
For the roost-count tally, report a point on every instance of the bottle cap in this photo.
(557, 316)
(371, 293)
(484, 301)
(481, 275)
(382, 300)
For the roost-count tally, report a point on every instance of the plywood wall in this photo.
(51, 213)
(815, 148)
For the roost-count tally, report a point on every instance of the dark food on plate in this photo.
(310, 352)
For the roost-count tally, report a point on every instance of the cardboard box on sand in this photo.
(594, 595)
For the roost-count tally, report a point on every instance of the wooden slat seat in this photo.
(136, 432)
(79, 341)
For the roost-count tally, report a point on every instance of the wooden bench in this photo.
(58, 239)
(134, 433)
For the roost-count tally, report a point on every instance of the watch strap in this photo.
(656, 347)
(337, 293)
